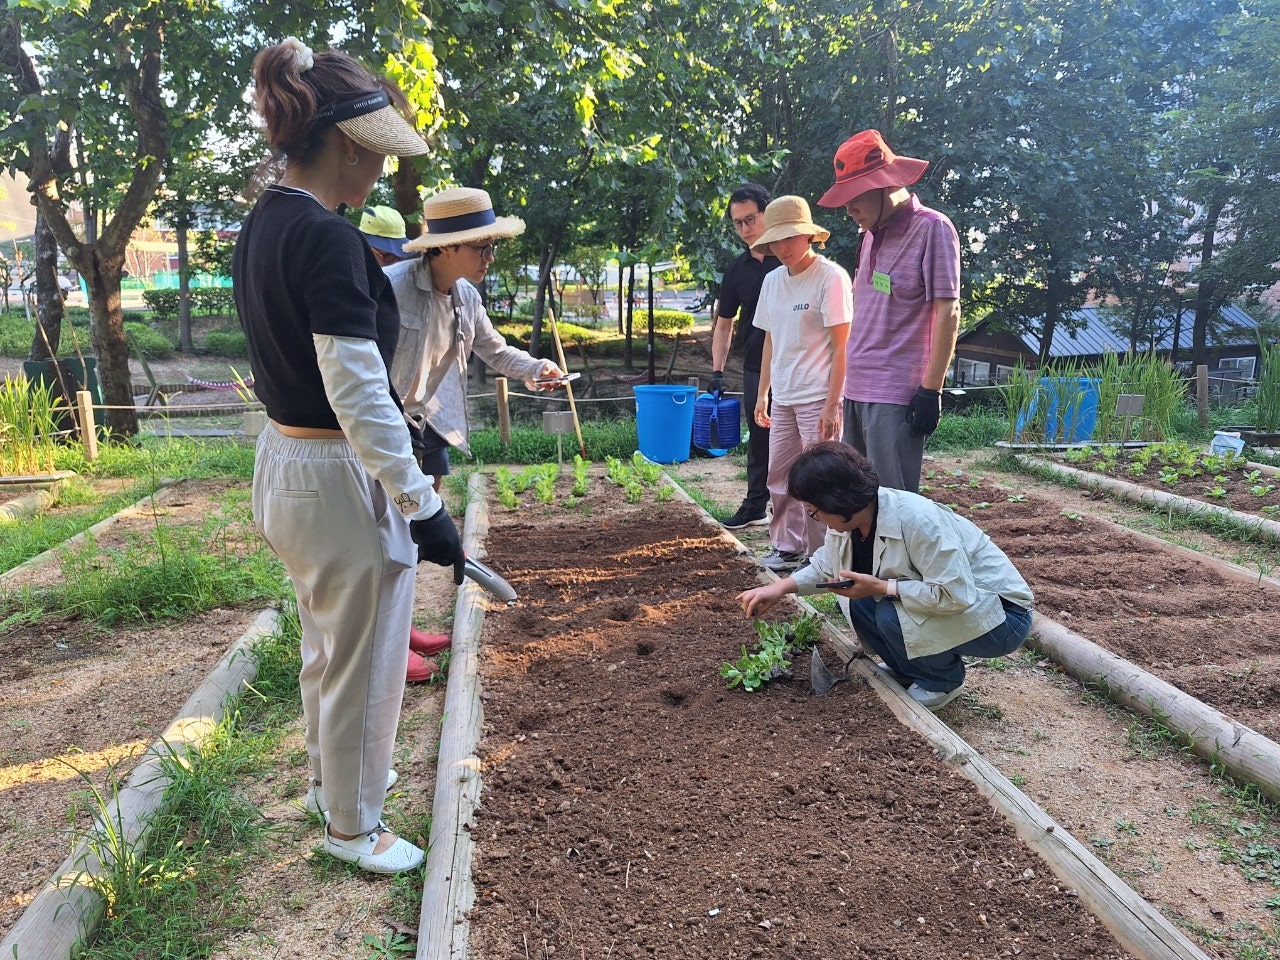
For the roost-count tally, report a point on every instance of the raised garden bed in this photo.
(82, 701)
(1186, 471)
(1212, 636)
(633, 806)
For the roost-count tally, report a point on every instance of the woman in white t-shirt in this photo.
(805, 311)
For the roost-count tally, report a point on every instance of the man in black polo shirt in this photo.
(739, 291)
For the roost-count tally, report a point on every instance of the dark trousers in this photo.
(757, 498)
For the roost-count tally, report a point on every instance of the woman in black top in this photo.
(337, 493)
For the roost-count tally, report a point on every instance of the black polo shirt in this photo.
(739, 293)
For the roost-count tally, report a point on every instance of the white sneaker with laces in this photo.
(783, 561)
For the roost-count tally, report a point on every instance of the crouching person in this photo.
(928, 587)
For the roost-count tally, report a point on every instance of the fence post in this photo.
(88, 429)
(1202, 394)
(504, 411)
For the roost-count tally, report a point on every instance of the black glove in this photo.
(417, 439)
(923, 411)
(717, 381)
(437, 540)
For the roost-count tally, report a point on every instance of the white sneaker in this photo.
(783, 561)
(933, 699)
(315, 802)
(397, 858)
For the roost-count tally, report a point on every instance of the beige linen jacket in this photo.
(950, 574)
(437, 343)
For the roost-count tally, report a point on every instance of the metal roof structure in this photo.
(1096, 336)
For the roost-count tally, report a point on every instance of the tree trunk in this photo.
(627, 360)
(184, 288)
(1207, 287)
(49, 313)
(107, 318)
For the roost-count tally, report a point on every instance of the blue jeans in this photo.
(876, 623)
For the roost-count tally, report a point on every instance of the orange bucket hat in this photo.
(865, 162)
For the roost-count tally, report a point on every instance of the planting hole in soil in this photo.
(635, 806)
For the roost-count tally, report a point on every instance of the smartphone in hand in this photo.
(835, 584)
(547, 381)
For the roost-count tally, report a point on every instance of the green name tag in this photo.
(880, 281)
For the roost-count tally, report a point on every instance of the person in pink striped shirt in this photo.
(906, 308)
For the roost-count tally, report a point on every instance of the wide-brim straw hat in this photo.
(865, 162)
(788, 217)
(461, 215)
(372, 121)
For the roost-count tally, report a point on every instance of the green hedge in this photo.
(15, 335)
(205, 301)
(229, 343)
(154, 344)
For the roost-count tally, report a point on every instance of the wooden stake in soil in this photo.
(568, 387)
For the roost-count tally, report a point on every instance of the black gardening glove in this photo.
(923, 411)
(717, 382)
(438, 541)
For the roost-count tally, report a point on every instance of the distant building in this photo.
(988, 355)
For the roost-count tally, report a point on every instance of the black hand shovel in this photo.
(822, 679)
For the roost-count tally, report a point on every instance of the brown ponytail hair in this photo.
(289, 98)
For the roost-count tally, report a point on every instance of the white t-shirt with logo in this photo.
(798, 313)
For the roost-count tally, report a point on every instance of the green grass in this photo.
(608, 438)
(150, 458)
(167, 573)
(180, 895)
(34, 535)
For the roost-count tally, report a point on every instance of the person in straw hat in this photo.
(337, 493)
(804, 309)
(442, 322)
(383, 230)
(908, 307)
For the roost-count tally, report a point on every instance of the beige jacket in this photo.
(950, 574)
(437, 335)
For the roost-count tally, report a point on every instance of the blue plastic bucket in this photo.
(664, 422)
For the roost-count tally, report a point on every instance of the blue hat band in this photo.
(465, 221)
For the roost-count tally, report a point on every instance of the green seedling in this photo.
(580, 478)
(771, 656)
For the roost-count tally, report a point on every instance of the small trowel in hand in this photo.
(822, 679)
(494, 585)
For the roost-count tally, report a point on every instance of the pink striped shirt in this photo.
(892, 333)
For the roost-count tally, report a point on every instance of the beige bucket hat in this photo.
(788, 217)
(461, 215)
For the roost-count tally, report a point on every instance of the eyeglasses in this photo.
(813, 514)
(486, 250)
(745, 222)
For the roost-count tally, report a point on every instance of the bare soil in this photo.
(635, 806)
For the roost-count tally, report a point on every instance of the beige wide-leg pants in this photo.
(352, 563)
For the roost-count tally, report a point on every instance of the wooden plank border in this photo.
(448, 891)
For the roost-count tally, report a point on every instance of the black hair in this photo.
(833, 478)
(751, 193)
